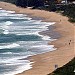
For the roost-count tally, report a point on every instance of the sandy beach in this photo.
(44, 63)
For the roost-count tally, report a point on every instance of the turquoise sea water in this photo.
(19, 39)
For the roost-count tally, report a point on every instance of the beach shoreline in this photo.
(44, 63)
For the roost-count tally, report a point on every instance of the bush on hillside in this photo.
(70, 12)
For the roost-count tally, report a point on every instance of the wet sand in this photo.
(45, 63)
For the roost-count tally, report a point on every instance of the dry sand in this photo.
(44, 63)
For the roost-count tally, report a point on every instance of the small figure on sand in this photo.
(70, 42)
(56, 66)
(60, 20)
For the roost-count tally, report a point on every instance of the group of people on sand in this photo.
(56, 65)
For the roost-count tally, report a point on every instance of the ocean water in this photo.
(19, 39)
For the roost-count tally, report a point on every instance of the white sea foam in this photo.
(36, 22)
(9, 46)
(13, 60)
(46, 37)
(32, 21)
(10, 11)
(21, 18)
(40, 49)
(20, 69)
(46, 27)
(8, 22)
(3, 14)
(0, 8)
(29, 27)
(17, 15)
(47, 23)
(4, 11)
(32, 30)
(21, 65)
(28, 18)
(11, 15)
(44, 46)
(7, 53)
(6, 32)
(5, 27)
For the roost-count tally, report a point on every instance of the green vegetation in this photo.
(67, 69)
(70, 12)
(30, 3)
(25, 3)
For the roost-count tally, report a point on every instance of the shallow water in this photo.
(19, 39)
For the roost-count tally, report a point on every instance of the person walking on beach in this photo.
(69, 42)
(56, 66)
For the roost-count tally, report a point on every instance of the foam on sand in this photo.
(44, 46)
(46, 37)
(39, 49)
